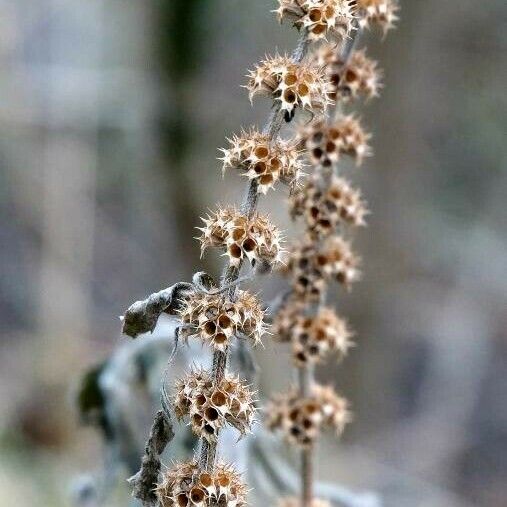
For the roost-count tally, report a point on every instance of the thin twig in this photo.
(231, 273)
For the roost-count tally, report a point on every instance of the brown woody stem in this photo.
(231, 273)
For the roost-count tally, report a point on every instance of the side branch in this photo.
(142, 316)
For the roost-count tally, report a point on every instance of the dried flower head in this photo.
(296, 502)
(263, 160)
(215, 319)
(211, 405)
(326, 143)
(293, 84)
(185, 485)
(322, 18)
(358, 77)
(302, 419)
(326, 207)
(256, 239)
(311, 266)
(313, 338)
(381, 13)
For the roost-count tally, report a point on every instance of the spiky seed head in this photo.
(324, 208)
(358, 77)
(381, 13)
(326, 143)
(286, 318)
(301, 420)
(216, 320)
(211, 405)
(293, 84)
(321, 18)
(315, 338)
(263, 160)
(339, 261)
(255, 239)
(186, 485)
(311, 266)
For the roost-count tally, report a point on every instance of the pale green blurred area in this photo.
(111, 115)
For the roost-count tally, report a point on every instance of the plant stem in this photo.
(305, 381)
(231, 273)
(306, 372)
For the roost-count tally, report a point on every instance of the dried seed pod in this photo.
(255, 238)
(339, 261)
(311, 266)
(296, 502)
(293, 84)
(334, 408)
(381, 13)
(324, 207)
(185, 485)
(322, 18)
(326, 143)
(285, 319)
(358, 77)
(313, 338)
(302, 419)
(215, 319)
(210, 406)
(263, 160)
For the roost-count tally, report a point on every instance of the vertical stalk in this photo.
(231, 273)
(306, 372)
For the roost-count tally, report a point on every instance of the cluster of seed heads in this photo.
(358, 77)
(381, 13)
(301, 419)
(185, 485)
(263, 160)
(211, 405)
(313, 338)
(310, 266)
(322, 18)
(325, 207)
(215, 319)
(296, 502)
(326, 143)
(292, 84)
(255, 239)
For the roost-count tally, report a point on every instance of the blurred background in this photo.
(111, 115)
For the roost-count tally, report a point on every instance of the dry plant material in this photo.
(357, 77)
(311, 267)
(211, 405)
(313, 80)
(321, 18)
(186, 485)
(301, 419)
(313, 338)
(324, 208)
(216, 320)
(263, 161)
(255, 238)
(291, 84)
(327, 143)
(381, 13)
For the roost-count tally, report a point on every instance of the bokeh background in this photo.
(110, 119)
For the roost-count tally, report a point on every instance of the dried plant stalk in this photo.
(219, 313)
